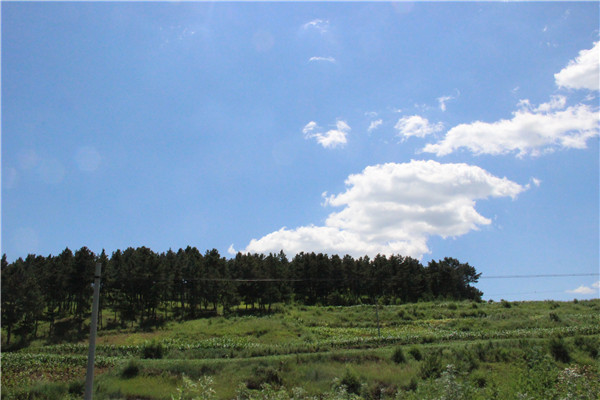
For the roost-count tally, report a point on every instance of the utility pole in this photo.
(377, 314)
(89, 376)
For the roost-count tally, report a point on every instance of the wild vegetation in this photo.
(427, 350)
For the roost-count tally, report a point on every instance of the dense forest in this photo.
(142, 287)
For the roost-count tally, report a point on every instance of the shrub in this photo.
(77, 388)
(589, 345)
(152, 350)
(559, 350)
(131, 370)
(505, 303)
(479, 379)
(411, 386)
(432, 366)
(398, 356)
(264, 375)
(351, 382)
(415, 353)
(554, 317)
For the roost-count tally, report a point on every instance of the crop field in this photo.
(429, 350)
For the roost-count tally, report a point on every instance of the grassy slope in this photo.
(496, 348)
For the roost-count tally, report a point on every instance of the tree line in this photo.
(142, 287)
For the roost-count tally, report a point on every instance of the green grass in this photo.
(496, 350)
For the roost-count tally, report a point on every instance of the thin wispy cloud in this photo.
(325, 59)
(320, 25)
(374, 125)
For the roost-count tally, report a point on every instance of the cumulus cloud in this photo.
(593, 289)
(326, 59)
(374, 125)
(583, 72)
(416, 125)
(394, 209)
(330, 139)
(532, 130)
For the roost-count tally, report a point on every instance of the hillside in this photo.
(533, 350)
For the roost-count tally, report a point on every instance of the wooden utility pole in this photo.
(377, 314)
(89, 376)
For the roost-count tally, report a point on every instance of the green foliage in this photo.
(432, 365)
(415, 353)
(351, 382)
(398, 356)
(578, 382)
(130, 370)
(559, 350)
(202, 389)
(554, 317)
(588, 344)
(505, 354)
(153, 350)
(263, 374)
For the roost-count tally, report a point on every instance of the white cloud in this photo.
(374, 125)
(326, 59)
(309, 128)
(320, 25)
(583, 72)
(443, 100)
(394, 209)
(231, 250)
(416, 125)
(586, 289)
(330, 139)
(531, 131)
(536, 182)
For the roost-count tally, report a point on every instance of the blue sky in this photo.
(467, 130)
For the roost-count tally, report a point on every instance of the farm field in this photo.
(451, 350)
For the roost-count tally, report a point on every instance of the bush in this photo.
(152, 350)
(351, 382)
(131, 370)
(554, 317)
(264, 375)
(559, 350)
(415, 353)
(589, 345)
(479, 379)
(77, 388)
(432, 366)
(398, 356)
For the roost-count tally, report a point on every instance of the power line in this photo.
(535, 276)
(242, 280)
